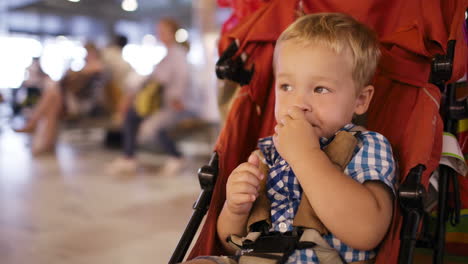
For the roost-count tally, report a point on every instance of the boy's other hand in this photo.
(294, 135)
(242, 186)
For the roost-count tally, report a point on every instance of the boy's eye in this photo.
(321, 90)
(286, 87)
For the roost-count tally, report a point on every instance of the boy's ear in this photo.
(363, 99)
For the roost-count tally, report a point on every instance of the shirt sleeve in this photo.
(373, 161)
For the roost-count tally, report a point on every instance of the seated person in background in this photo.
(78, 91)
(28, 94)
(83, 91)
(173, 75)
(123, 80)
(323, 66)
(43, 119)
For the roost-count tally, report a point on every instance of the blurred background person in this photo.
(123, 80)
(83, 91)
(26, 96)
(43, 119)
(172, 77)
(75, 95)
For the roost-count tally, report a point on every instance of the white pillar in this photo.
(204, 21)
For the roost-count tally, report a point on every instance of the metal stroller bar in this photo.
(441, 73)
(411, 194)
(207, 177)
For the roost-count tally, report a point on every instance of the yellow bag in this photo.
(148, 99)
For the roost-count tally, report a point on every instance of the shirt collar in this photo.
(325, 141)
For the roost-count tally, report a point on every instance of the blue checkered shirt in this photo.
(372, 160)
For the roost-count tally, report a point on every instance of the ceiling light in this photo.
(181, 35)
(61, 38)
(129, 5)
(149, 40)
(74, 1)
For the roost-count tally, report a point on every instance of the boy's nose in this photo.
(303, 106)
(302, 103)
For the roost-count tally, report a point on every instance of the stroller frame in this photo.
(207, 177)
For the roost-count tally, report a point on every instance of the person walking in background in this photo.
(172, 75)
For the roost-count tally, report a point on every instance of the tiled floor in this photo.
(65, 209)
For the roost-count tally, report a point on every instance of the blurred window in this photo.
(16, 53)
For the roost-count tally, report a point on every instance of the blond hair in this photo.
(338, 31)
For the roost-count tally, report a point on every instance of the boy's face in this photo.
(318, 81)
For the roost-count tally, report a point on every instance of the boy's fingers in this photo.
(285, 119)
(244, 187)
(275, 139)
(277, 128)
(248, 167)
(242, 198)
(254, 160)
(296, 113)
(248, 178)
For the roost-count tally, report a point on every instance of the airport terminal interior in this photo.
(61, 204)
(109, 108)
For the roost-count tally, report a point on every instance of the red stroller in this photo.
(405, 107)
